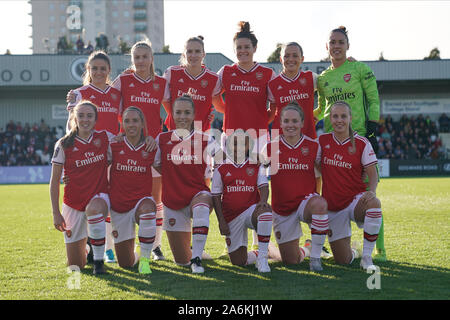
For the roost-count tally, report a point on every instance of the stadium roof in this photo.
(66, 70)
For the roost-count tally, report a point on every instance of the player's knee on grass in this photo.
(239, 257)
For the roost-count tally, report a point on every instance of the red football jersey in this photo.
(85, 163)
(144, 94)
(184, 166)
(342, 169)
(201, 88)
(108, 104)
(245, 97)
(130, 176)
(238, 184)
(283, 90)
(295, 178)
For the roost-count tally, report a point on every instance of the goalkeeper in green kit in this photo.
(354, 83)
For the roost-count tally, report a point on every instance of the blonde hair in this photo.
(144, 44)
(351, 133)
(100, 55)
(68, 140)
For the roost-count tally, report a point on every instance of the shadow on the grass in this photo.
(223, 281)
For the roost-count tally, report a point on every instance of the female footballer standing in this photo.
(292, 84)
(344, 156)
(193, 78)
(354, 83)
(83, 155)
(185, 195)
(293, 155)
(245, 87)
(146, 90)
(246, 94)
(131, 192)
(96, 88)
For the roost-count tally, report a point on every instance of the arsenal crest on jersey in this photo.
(144, 154)
(250, 171)
(156, 86)
(114, 96)
(259, 75)
(304, 150)
(347, 77)
(97, 143)
(351, 150)
(204, 83)
(302, 81)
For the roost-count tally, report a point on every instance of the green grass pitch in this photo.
(417, 225)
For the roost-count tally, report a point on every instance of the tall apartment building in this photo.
(131, 20)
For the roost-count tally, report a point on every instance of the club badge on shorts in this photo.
(172, 222)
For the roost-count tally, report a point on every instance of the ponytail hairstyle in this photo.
(101, 55)
(289, 44)
(351, 133)
(199, 39)
(342, 30)
(144, 131)
(144, 44)
(244, 32)
(293, 105)
(68, 140)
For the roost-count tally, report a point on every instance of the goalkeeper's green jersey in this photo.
(354, 83)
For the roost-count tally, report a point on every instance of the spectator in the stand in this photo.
(80, 45)
(409, 138)
(444, 123)
(25, 145)
(89, 48)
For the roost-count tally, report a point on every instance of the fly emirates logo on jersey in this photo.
(193, 93)
(337, 162)
(340, 95)
(131, 166)
(90, 157)
(294, 95)
(293, 164)
(244, 86)
(240, 186)
(106, 107)
(144, 98)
